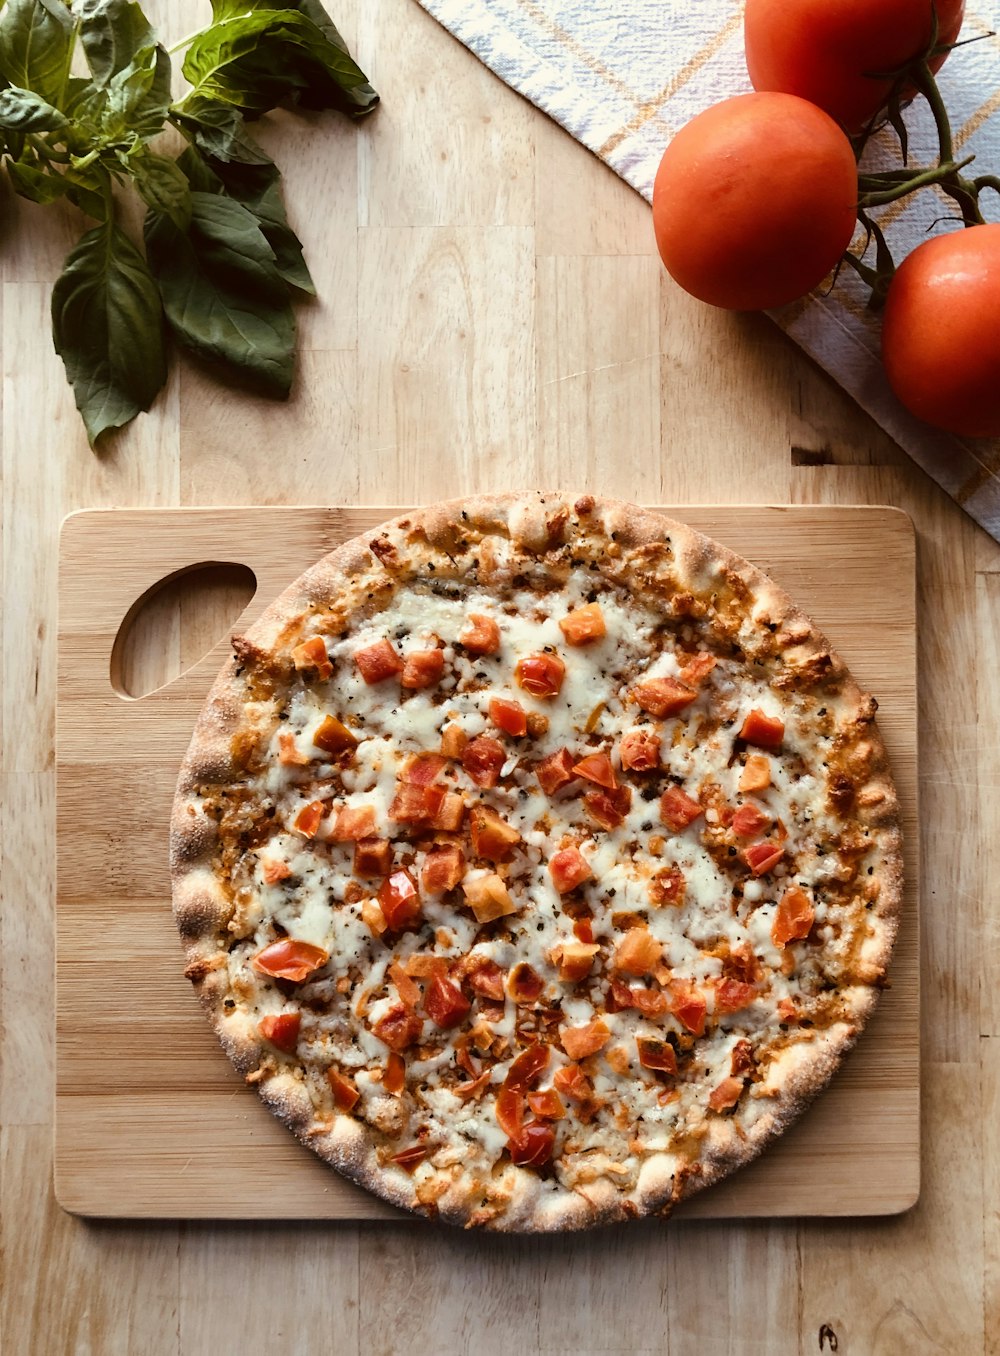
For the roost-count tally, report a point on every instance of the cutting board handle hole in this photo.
(176, 623)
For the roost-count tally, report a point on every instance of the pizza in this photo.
(536, 860)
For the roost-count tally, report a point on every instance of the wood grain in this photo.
(149, 1122)
(736, 414)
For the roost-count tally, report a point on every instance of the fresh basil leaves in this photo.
(222, 266)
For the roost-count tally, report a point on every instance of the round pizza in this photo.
(537, 860)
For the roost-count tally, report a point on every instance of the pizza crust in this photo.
(353, 582)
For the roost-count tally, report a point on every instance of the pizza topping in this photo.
(482, 759)
(345, 1094)
(289, 753)
(488, 897)
(354, 823)
(748, 821)
(398, 1028)
(688, 1005)
(569, 869)
(378, 662)
(525, 984)
(667, 888)
(394, 1077)
(509, 716)
(741, 1059)
(697, 668)
(492, 837)
(584, 624)
(409, 993)
(410, 1158)
(765, 731)
(609, 809)
(580, 1041)
(656, 1054)
(288, 959)
(273, 869)
(756, 774)
(453, 741)
(399, 900)
(763, 857)
(309, 818)
(422, 668)
(448, 817)
(732, 994)
(640, 750)
(532, 1147)
(481, 636)
(281, 1030)
(726, 1095)
(678, 809)
(333, 736)
(555, 771)
(424, 770)
(484, 976)
(547, 1104)
(311, 654)
(528, 1065)
(575, 960)
(661, 697)
(637, 952)
(596, 767)
(541, 674)
(793, 919)
(372, 857)
(443, 868)
(445, 1002)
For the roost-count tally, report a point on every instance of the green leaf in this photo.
(138, 96)
(112, 33)
(222, 293)
(33, 182)
(21, 110)
(217, 130)
(163, 186)
(258, 59)
(36, 46)
(107, 324)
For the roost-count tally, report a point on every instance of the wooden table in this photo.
(491, 315)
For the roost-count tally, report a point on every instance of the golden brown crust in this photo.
(354, 581)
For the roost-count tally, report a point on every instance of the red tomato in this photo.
(825, 50)
(540, 674)
(533, 1145)
(445, 1002)
(755, 201)
(940, 339)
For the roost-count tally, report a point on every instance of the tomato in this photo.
(755, 201)
(540, 674)
(289, 959)
(445, 1002)
(527, 1066)
(533, 1145)
(663, 696)
(510, 717)
(597, 768)
(492, 837)
(826, 50)
(569, 868)
(483, 759)
(940, 338)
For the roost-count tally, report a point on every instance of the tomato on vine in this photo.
(755, 201)
(841, 54)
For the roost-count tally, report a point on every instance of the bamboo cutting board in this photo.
(151, 1121)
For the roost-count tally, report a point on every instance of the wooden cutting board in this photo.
(151, 1121)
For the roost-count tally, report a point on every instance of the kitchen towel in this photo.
(622, 76)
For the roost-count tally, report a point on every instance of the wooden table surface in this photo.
(492, 315)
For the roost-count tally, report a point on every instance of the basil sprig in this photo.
(221, 267)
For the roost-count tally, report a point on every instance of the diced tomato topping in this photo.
(483, 758)
(677, 809)
(524, 984)
(273, 870)
(453, 741)
(540, 674)
(609, 808)
(547, 1104)
(555, 772)
(423, 965)
(732, 994)
(748, 821)
(486, 978)
(449, 816)
(492, 837)
(409, 993)
(697, 669)
(787, 1010)
(580, 1041)
(650, 1002)
(741, 1058)
(793, 918)
(424, 769)
(399, 900)
(572, 1082)
(373, 917)
(410, 1158)
(575, 960)
(474, 1087)
(742, 964)
(464, 1060)
(311, 654)
(289, 959)
(568, 868)
(445, 1002)
(527, 1066)
(689, 1007)
(282, 1030)
(345, 1094)
(596, 767)
(289, 754)
(637, 952)
(372, 857)
(354, 823)
(765, 731)
(378, 662)
(533, 1146)
(583, 625)
(398, 1028)
(761, 857)
(661, 697)
(640, 750)
(309, 818)
(656, 1054)
(618, 997)
(334, 736)
(443, 868)
(509, 1110)
(756, 774)
(422, 668)
(509, 717)
(413, 804)
(727, 1094)
(583, 930)
(488, 897)
(481, 636)
(667, 887)
(394, 1078)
